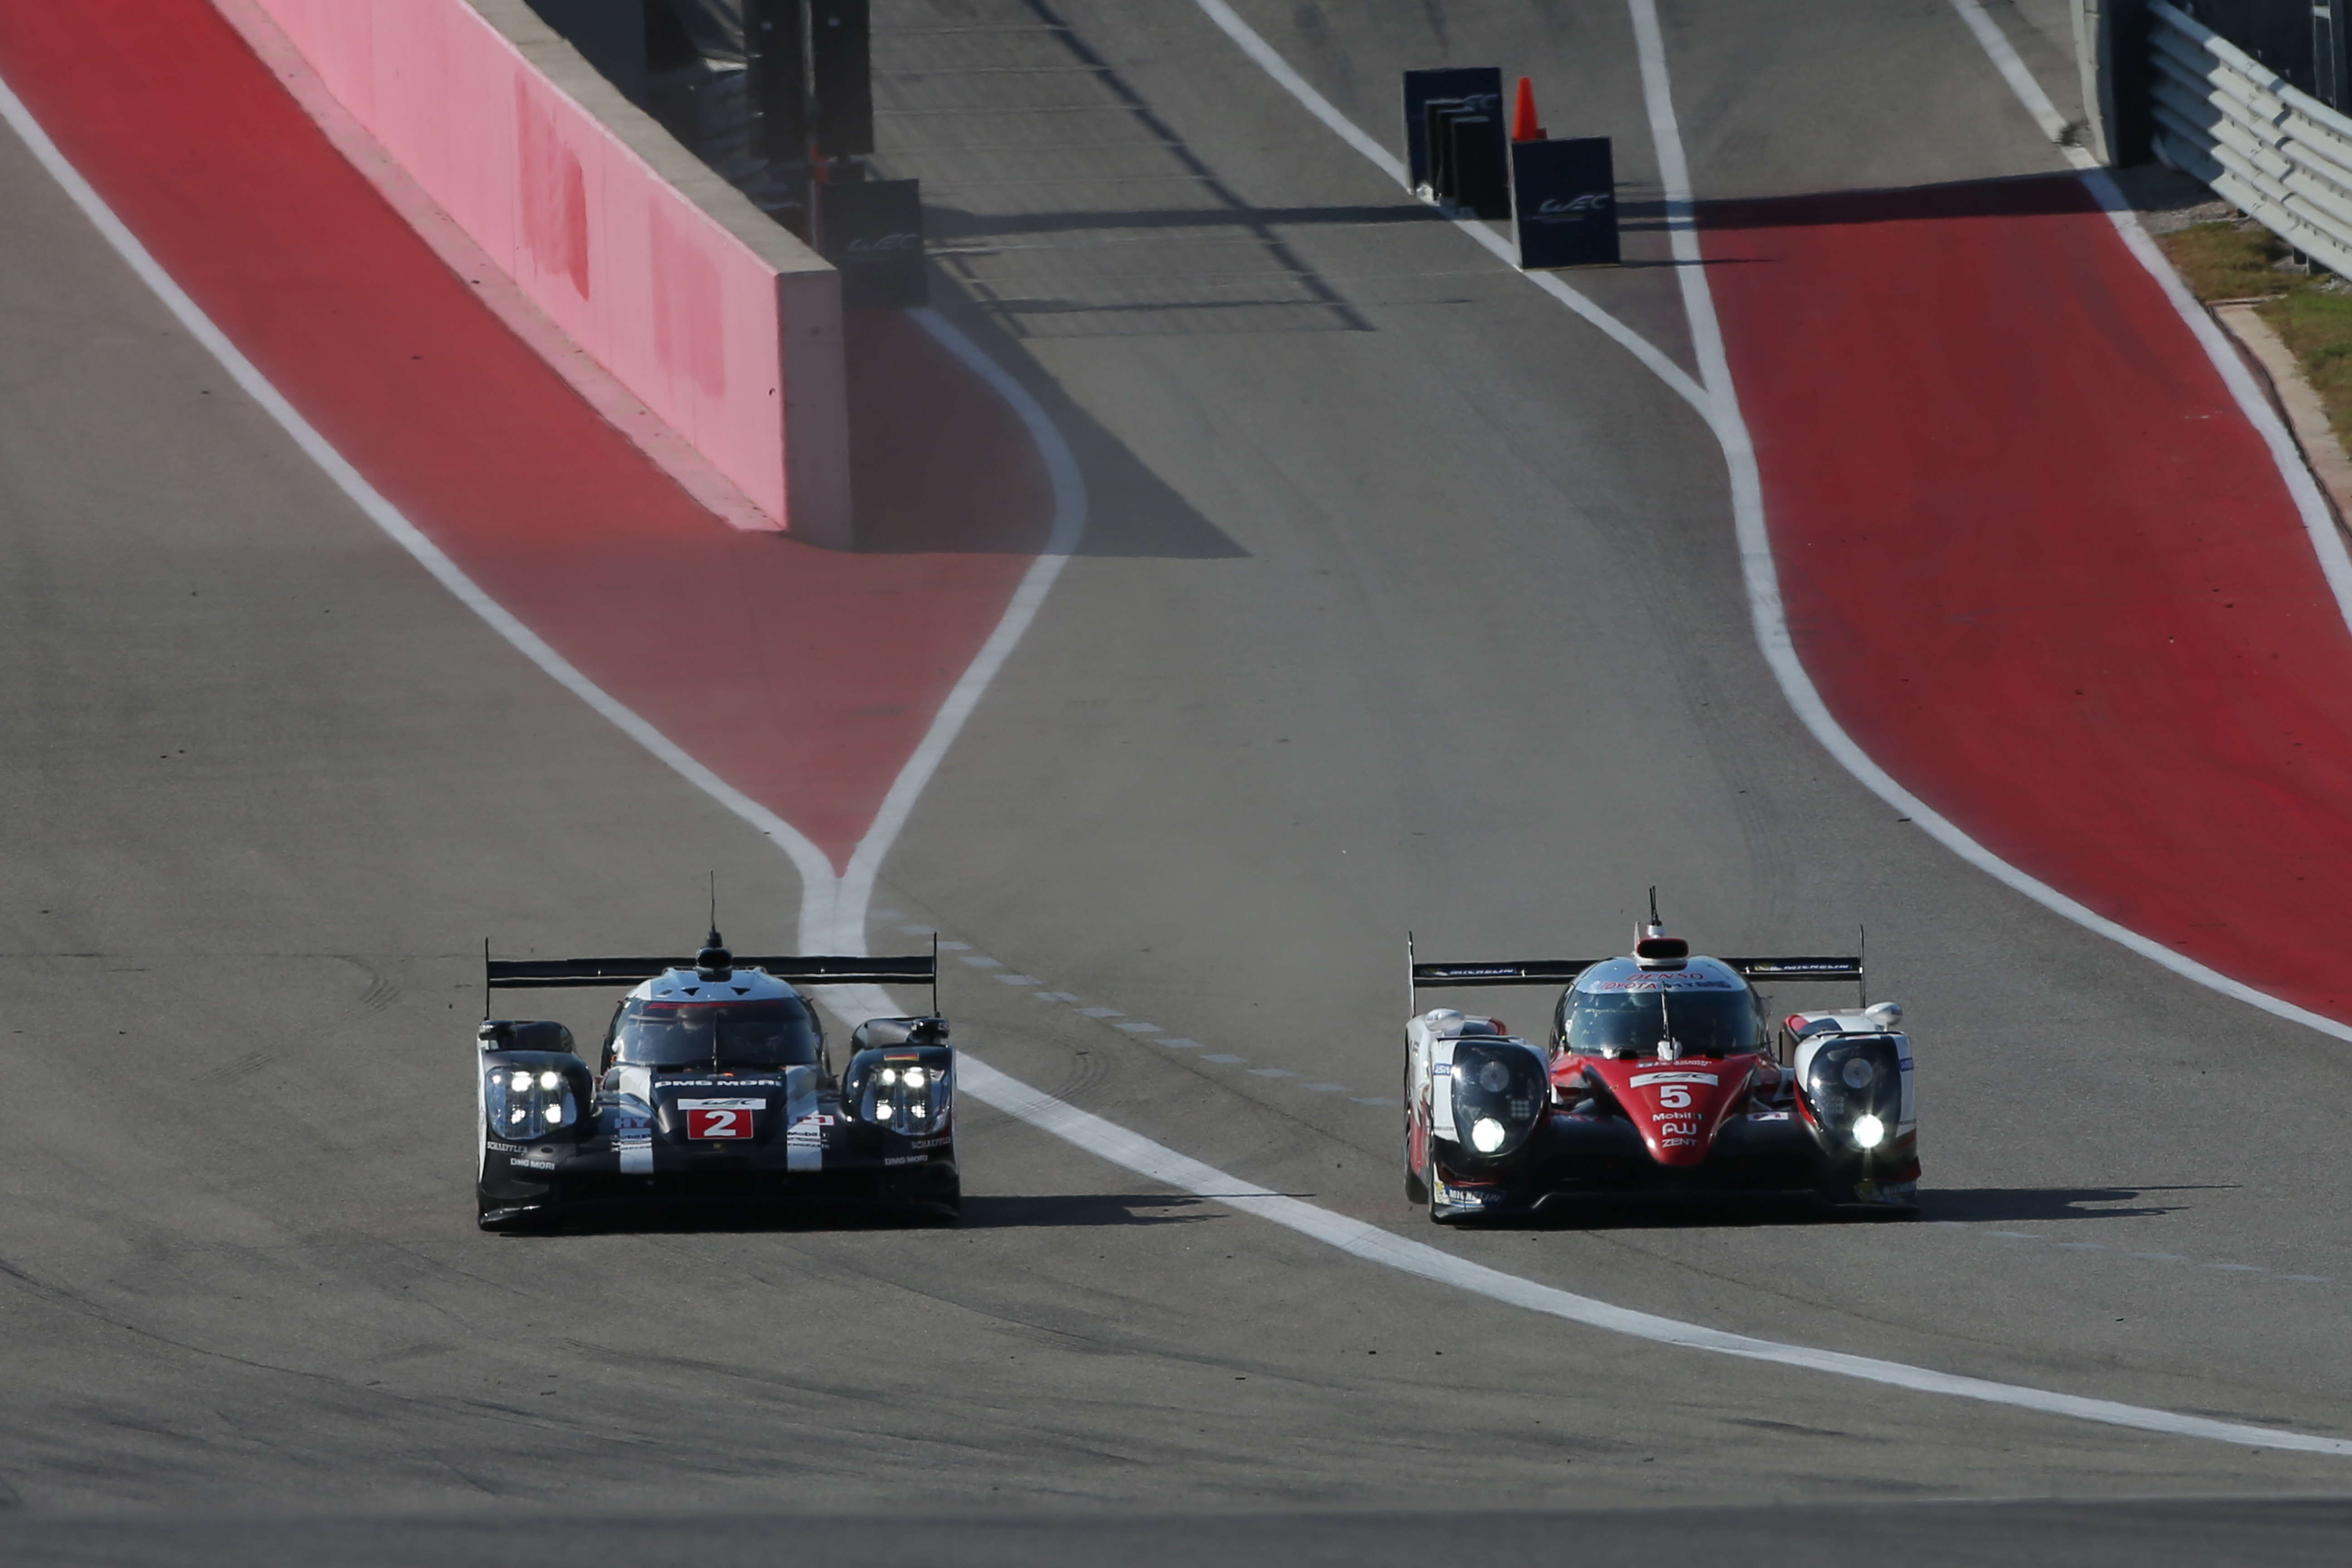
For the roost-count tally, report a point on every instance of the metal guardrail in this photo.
(2274, 152)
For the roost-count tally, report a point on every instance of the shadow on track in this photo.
(699, 1217)
(1970, 1203)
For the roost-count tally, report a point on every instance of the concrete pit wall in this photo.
(727, 326)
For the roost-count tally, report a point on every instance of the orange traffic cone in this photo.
(1523, 116)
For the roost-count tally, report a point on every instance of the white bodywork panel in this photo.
(1429, 1040)
(1820, 1028)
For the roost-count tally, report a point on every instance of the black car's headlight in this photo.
(1855, 1088)
(1499, 1091)
(906, 1092)
(526, 1100)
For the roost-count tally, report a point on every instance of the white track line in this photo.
(846, 921)
(2326, 539)
(1717, 401)
(1270, 60)
(985, 1084)
(2327, 544)
(1373, 1245)
(807, 857)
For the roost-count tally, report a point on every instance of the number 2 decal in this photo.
(719, 1124)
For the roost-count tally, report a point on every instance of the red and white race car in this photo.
(1661, 1072)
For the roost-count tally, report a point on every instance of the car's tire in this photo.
(1429, 1188)
(1416, 1185)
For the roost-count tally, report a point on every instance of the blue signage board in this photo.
(1564, 201)
(1479, 90)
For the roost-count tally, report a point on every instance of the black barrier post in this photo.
(1565, 198)
(776, 60)
(1477, 88)
(841, 65)
(873, 231)
(1479, 180)
(1436, 116)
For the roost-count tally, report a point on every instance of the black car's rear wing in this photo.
(516, 975)
(547, 974)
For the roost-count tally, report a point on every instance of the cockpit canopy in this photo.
(1619, 1008)
(775, 1032)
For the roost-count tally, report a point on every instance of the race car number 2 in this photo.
(718, 1119)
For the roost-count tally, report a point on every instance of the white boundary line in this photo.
(1270, 61)
(1374, 1245)
(2327, 544)
(1717, 401)
(2327, 540)
(1762, 572)
(1087, 1131)
(855, 890)
(825, 910)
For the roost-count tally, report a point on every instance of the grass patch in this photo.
(2223, 261)
(2317, 329)
(2312, 314)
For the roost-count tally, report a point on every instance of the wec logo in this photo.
(1576, 207)
(885, 245)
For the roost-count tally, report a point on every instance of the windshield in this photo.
(1711, 1022)
(776, 1034)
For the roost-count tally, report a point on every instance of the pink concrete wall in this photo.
(737, 350)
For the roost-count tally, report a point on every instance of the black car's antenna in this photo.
(1861, 962)
(486, 980)
(714, 909)
(1657, 926)
(935, 974)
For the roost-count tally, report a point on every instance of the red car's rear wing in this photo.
(1562, 971)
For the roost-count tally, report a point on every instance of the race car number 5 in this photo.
(719, 1124)
(1673, 1096)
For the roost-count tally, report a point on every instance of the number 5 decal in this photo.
(1673, 1096)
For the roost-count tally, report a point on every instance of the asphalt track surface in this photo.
(1406, 601)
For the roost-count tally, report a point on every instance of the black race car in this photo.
(714, 1081)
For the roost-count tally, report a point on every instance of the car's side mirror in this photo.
(524, 1034)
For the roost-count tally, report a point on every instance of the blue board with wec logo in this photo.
(873, 231)
(1564, 201)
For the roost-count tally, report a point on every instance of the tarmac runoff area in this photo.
(352, 789)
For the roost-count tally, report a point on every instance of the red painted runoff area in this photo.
(2041, 568)
(804, 678)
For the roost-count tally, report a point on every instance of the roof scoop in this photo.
(1661, 952)
(714, 962)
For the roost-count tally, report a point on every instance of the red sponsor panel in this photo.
(804, 678)
(2043, 569)
(1677, 1106)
